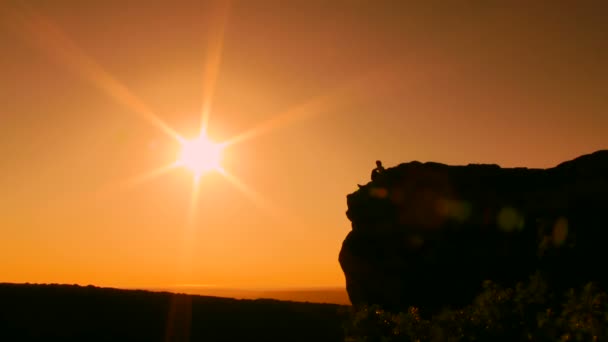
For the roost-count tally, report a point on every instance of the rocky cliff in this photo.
(428, 234)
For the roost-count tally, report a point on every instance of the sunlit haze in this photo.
(148, 144)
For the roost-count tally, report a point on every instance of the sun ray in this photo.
(151, 174)
(186, 252)
(311, 108)
(253, 195)
(213, 61)
(274, 212)
(56, 43)
(104, 192)
(193, 204)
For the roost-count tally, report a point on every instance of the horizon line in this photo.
(192, 286)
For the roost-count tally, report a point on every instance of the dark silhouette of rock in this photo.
(430, 234)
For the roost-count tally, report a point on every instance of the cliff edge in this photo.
(429, 234)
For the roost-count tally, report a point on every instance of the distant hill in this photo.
(328, 295)
(52, 312)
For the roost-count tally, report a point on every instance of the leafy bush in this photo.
(528, 312)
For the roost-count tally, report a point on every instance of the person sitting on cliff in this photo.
(377, 171)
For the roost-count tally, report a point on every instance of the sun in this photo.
(200, 155)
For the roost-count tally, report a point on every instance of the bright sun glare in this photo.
(200, 155)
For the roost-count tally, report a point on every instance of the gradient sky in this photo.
(331, 86)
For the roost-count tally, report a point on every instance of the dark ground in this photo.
(76, 313)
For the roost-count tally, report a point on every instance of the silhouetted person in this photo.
(377, 171)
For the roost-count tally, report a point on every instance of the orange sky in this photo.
(332, 85)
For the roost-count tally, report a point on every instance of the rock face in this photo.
(428, 234)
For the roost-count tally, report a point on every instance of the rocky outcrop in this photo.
(429, 234)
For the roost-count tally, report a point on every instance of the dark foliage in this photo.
(75, 313)
(527, 312)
